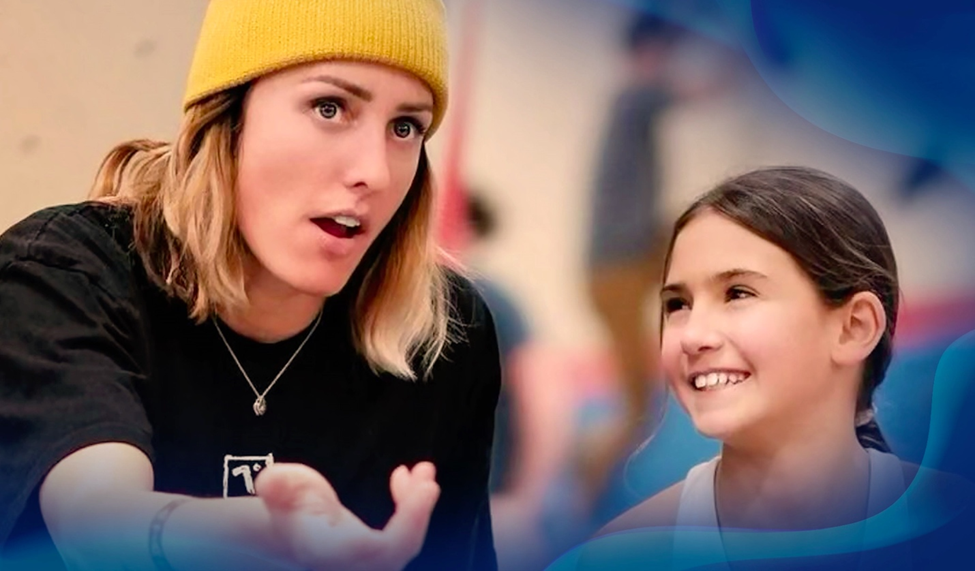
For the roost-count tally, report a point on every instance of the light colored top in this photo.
(697, 509)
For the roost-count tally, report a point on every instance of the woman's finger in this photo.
(406, 530)
(399, 483)
(425, 471)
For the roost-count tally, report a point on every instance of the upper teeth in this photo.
(717, 378)
(347, 221)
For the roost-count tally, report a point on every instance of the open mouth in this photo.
(717, 380)
(340, 226)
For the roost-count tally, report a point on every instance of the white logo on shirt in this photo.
(239, 473)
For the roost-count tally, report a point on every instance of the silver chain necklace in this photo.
(260, 405)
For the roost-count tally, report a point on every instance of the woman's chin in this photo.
(322, 288)
(316, 283)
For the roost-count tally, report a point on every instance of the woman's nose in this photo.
(368, 167)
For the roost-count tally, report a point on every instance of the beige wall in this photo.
(77, 76)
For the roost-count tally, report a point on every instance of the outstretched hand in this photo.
(318, 532)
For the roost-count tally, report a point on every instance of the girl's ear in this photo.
(862, 324)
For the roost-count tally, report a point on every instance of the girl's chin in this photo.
(717, 427)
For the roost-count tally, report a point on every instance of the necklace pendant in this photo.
(260, 406)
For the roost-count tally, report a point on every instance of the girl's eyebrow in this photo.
(735, 273)
(673, 288)
(718, 278)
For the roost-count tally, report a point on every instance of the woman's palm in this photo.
(320, 533)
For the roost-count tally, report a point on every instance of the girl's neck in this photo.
(275, 311)
(810, 481)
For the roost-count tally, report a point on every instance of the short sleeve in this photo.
(461, 524)
(477, 454)
(512, 331)
(72, 352)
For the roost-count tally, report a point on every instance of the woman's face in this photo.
(327, 153)
(746, 339)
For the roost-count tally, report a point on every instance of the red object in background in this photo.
(453, 230)
(921, 321)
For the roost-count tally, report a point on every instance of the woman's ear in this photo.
(863, 322)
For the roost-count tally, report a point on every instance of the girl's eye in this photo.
(328, 108)
(674, 304)
(406, 128)
(736, 292)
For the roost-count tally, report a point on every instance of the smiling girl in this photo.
(779, 308)
(244, 352)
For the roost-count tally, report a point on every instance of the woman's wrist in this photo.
(156, 527)
(223, 533)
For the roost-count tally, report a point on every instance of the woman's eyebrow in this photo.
(366, 95)
(415, 108)
(352, 88)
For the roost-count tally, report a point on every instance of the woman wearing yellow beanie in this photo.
(243, 351)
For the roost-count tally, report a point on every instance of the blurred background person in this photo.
(627, 235)
(533, 432)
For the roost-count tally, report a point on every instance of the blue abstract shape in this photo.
(922, 173)
(894, 76)
(774, 46)
(930, 525)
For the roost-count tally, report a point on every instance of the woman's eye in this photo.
(406, 128)
(328, 108)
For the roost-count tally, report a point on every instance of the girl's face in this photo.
(327, 153)
(746, 337)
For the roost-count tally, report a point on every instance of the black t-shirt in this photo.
(92, 351)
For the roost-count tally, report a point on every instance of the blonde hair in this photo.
(182, 197)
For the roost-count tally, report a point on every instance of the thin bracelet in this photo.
(155, 534)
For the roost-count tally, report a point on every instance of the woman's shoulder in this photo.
(90, 237)
(471, 318)
(658, 511)
(473, 343)
(465, 297)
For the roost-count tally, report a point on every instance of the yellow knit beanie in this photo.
(245, 39)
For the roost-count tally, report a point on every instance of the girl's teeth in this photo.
(710, 381)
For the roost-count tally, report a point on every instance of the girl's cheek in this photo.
(670, 355)
(759, 331)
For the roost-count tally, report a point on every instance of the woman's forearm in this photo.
(135, 530)
(100, 510)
